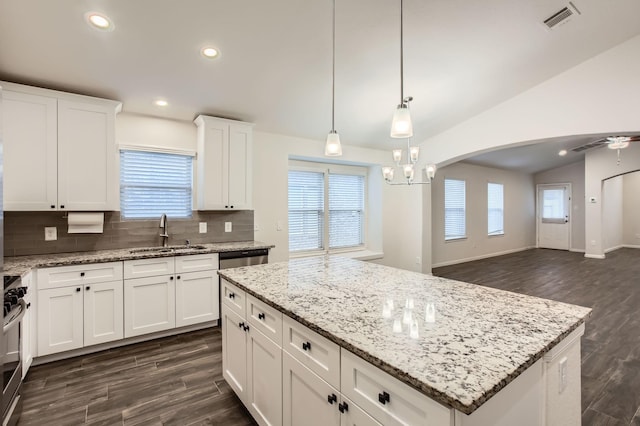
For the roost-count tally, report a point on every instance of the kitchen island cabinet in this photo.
(418, 349)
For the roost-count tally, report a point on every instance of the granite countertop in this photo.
(462, 344)
(20, 265)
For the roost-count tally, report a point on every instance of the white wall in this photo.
(612, 208)
(573, 174)
(519, 214)
(601, 164)
(593, 97)
(631, 207)
(134, 129)
(398, 211)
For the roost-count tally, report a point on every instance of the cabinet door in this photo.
(213, 164)
(264, 394)
(149, 305)
(306, 396)
(30, 126)
(353, 415)
(240, 161)
(60, 319)
(86, 156)
(103, 313)
(27, 350)
(234, 352)
(196, 298)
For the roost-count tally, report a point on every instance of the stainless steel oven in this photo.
(14, 309)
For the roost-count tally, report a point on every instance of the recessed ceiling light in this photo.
(99, 21)
(161, 103)
(562, 152)
(210, 52)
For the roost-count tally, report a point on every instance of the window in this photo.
(310, 190)
(153, 183)
(495, 210)
(553, 206)
(454, 209)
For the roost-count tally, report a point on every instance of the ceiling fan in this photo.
(618, 143)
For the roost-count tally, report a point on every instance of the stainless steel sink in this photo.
(169, 249)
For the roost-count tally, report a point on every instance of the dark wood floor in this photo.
(611, 344)
(178, 380)
(171, 381)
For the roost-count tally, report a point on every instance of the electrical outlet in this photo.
(228, 226)
(50, 233)
(418, 260)
(562, 374)
(203, 227)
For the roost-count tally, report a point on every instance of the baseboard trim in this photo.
(480, 257)
(594, 256)
(633, 246)
(610, 249)
(577, 250)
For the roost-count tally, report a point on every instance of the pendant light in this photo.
(333, 148)
(401, 126)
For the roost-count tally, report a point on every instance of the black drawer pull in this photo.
(78, 289)
(178, 276)
(383, 397)
(306, 346)
(246, 328)
(241, 324)
(62, 206)
(88, 288)
(332, 398)
(170, 278)
(232, 295)
(343, 406)
(82, 274)
(261, 316)
(53, 207)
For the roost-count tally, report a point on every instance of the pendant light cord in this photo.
(401, 57)
(333, 72)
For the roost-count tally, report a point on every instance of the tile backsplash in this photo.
(24, 232)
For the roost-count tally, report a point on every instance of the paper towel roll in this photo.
(86, 223)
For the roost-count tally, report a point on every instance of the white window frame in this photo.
(161, 150)
(326, 169)
(501, 232)
(455, 237)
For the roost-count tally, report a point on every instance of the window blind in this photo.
(495, 204)
(346, 210)
(306, 210)
(153, 183)
(454, 209)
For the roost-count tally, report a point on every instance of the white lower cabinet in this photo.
(196, 298)
(149, 305)
(234, 352)
(103, 313)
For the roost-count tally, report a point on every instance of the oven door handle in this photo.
(15, 320)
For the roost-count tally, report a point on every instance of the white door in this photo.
(149, 305)
(196, 297)
(234, 352)
(307, 399)
(30, 126)
(60, 319)
(264, 379)
(103, 313)
(554, 227)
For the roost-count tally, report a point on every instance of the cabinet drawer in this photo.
(317, 353)
(148, 267)
(233, 297)
(367, 385)
(265, 318)
(195, 263)
(63, 276)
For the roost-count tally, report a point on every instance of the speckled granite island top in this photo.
(461, 345)
(19, 265)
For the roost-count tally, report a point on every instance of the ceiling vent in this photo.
(561, 17)
(590, 145)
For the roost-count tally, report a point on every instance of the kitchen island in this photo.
(481, 356)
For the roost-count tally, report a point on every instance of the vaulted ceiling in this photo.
(461, 57)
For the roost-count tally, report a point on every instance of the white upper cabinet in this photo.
(59, 150)
(224, 164)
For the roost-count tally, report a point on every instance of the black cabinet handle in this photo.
(332, 398)
(52, 206)
(62, 206)
(231, 206)
(178, 276)
(28, 305)
(306, 346)
(343, 406)
(232, 295)
(82, 274)
(240, 324)
(261, 316)
(170, 278)
(226, 207)
(78, 289)
(383, 397)
(88, 288)
(246, 328)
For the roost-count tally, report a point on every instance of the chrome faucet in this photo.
(164, 233)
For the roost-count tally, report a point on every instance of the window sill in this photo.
(354, 254)
(452, 240)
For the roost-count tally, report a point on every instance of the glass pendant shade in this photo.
(431, 171)
(387, 173)
(333, 148)
(408, 171)
(401, 126)
(397, 156)
(414, 152)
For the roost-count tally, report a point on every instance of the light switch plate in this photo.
(203, 227)
(227, 227)
(50, 233)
